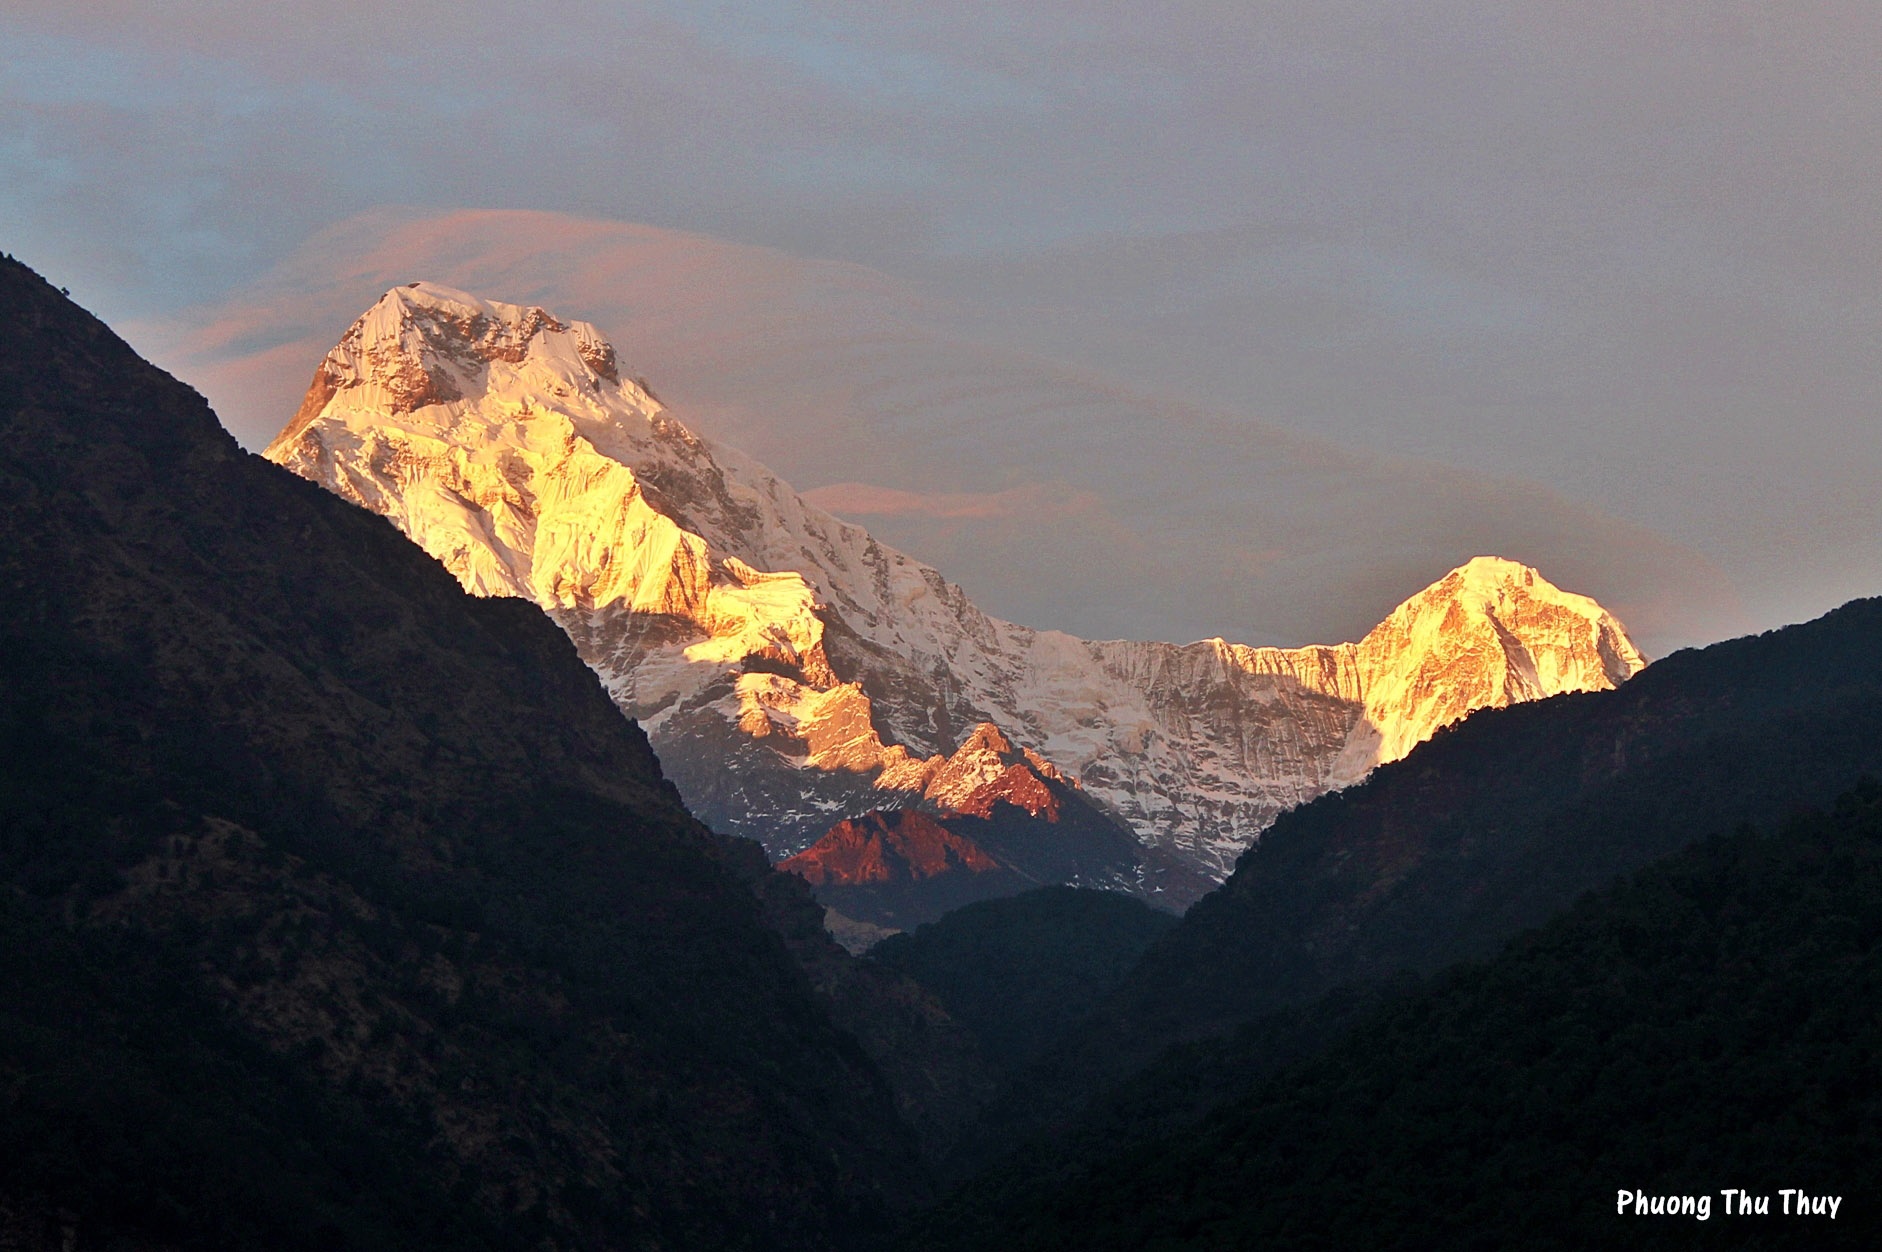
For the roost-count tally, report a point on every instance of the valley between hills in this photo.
(509, 820)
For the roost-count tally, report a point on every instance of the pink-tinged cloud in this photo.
(1627, 252)
(1056, 496)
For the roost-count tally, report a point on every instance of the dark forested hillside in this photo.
(1491, 827)
(1501, 821)
(341, 909)
(1715, 1023)
(1018, 971)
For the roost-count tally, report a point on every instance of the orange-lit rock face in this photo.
(887, 847)
(1017, 785)
(792, 671)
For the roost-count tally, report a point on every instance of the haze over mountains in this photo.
(792, 671)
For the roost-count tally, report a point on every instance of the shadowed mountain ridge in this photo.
(383, 928)
(1709, 1023)
(1493, 826)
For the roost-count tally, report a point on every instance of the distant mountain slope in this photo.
(996, 820)
(349, 910)
(1712, 1024)
(1017, 971)
(791, 671)
(899, 869)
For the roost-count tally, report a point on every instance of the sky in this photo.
(1171, 320)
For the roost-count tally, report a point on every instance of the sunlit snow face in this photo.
(762, 641)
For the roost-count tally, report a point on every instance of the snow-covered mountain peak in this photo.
(1491, 585)
(436, 326)
(792, 671)
(984, 758)
(426, 346)
(1489, 633)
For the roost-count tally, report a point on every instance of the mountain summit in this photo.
(792, 672)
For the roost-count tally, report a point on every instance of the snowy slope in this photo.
(792, 671)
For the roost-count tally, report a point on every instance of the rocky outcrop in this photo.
(880, 848)
(996, 819)
(896, 869)
(792, 672)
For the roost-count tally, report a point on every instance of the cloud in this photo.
(1058, 497)
(866, 500)
(1627, 255)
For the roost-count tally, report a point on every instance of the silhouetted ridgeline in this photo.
(1490, 828)
(340, 909)
(1711, 1024)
